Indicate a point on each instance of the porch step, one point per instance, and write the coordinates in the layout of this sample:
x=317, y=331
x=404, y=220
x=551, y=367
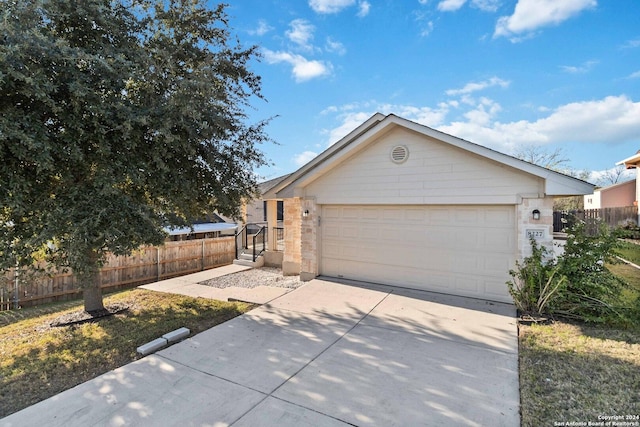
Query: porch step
x=247, y=260
x=247, y=256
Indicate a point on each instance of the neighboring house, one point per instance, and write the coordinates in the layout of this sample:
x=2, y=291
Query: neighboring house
x=215, y=225
x=633, y=162
x=613, y=196
x=395, y=202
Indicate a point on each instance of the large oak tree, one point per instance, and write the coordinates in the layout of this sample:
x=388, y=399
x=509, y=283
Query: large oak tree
x=118, y=118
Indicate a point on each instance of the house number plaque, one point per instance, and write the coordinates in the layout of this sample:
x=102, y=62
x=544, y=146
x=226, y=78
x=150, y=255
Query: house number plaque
x=534, y=233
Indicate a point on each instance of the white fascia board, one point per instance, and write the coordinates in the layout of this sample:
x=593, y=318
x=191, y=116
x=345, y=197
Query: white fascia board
x=630, y=162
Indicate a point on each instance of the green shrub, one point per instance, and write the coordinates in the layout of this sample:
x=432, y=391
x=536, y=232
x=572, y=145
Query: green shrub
x=576, y=285
x=593, y=292
x=628, y=231
x=535, y=283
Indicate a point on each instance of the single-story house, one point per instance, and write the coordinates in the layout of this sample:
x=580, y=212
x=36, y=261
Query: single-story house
x=613, y=196
x=214, y=225
x=395, y=202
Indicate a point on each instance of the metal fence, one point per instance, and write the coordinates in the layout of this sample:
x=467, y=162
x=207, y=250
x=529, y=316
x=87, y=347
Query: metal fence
x=146, y=265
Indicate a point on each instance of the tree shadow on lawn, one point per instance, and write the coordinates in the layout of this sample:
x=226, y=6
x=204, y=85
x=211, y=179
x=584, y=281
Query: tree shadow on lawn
x=64, y=357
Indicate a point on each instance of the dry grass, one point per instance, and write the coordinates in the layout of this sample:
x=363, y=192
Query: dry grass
x=576, y=373
x=38, y=361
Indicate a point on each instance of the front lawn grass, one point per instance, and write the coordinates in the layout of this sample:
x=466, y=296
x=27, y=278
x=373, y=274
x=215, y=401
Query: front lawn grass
x=629, y=251
x=575, y=373
x=38, y=361
x=572, y=372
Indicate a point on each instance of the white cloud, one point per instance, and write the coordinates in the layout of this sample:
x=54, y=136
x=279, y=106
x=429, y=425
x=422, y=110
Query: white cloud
x=450, y=5
x=580, y=69
x=304, y=158
x=262, y=28
x=353, y=115
x=476, y=86
x=486, y=5
x=635, y=75
x=426, y=25
x=428, y=116
x=350, y=121
x=335, y=46
x=453, y=5
x=330, y=6
x=363, y=9
x=609, y=120
x=485, y=110
x=426, y=29
x=301, y=33
x=630, y=44
x=530, y=15
x=303, y=69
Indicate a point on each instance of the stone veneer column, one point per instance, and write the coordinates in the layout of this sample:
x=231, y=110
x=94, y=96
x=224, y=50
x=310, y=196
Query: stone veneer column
x=309, y=239
x=291, y=260
x=526, y=222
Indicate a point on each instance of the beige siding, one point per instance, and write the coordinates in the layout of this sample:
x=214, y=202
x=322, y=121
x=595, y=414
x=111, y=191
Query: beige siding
x=435, y=173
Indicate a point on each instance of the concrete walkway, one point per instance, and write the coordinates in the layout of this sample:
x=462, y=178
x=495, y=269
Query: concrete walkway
x=325, y=354
x=189, y=285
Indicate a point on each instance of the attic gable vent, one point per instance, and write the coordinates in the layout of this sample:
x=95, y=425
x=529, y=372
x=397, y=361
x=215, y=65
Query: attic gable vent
x=399, y=154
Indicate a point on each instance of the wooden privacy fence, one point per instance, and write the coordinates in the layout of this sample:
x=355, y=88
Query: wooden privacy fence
x=614, y=217
x=148, y=264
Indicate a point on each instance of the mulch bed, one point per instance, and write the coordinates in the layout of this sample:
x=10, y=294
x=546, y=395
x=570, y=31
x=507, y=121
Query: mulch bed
x=82, y=316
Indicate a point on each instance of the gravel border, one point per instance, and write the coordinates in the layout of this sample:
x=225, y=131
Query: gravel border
x=263, y=276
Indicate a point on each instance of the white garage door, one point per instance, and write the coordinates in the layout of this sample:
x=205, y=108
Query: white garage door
x=461, y=250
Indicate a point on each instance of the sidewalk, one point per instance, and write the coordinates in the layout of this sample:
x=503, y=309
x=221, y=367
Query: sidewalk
x=189, y=285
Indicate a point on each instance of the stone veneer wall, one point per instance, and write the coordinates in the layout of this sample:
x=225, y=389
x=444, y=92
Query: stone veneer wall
x=291, y=260
x=526, y=222
x=309, y=255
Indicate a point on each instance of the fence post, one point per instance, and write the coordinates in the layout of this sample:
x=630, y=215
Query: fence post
x=202, y=269
x=16, y=297
x=158, y=263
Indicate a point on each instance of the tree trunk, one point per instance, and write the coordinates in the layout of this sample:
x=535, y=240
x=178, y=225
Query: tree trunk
x=92, y=294
x=91, y=291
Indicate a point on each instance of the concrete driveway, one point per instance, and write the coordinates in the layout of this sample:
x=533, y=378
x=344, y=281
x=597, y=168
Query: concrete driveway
x=326, y=354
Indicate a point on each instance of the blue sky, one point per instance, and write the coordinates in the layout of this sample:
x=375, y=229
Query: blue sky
x=500, y=73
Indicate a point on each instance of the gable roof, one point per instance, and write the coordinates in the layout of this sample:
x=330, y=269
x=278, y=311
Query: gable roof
x=556, y=183
x=265, y=186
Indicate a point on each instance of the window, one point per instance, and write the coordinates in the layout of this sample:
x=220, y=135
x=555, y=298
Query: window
x=280, y=208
